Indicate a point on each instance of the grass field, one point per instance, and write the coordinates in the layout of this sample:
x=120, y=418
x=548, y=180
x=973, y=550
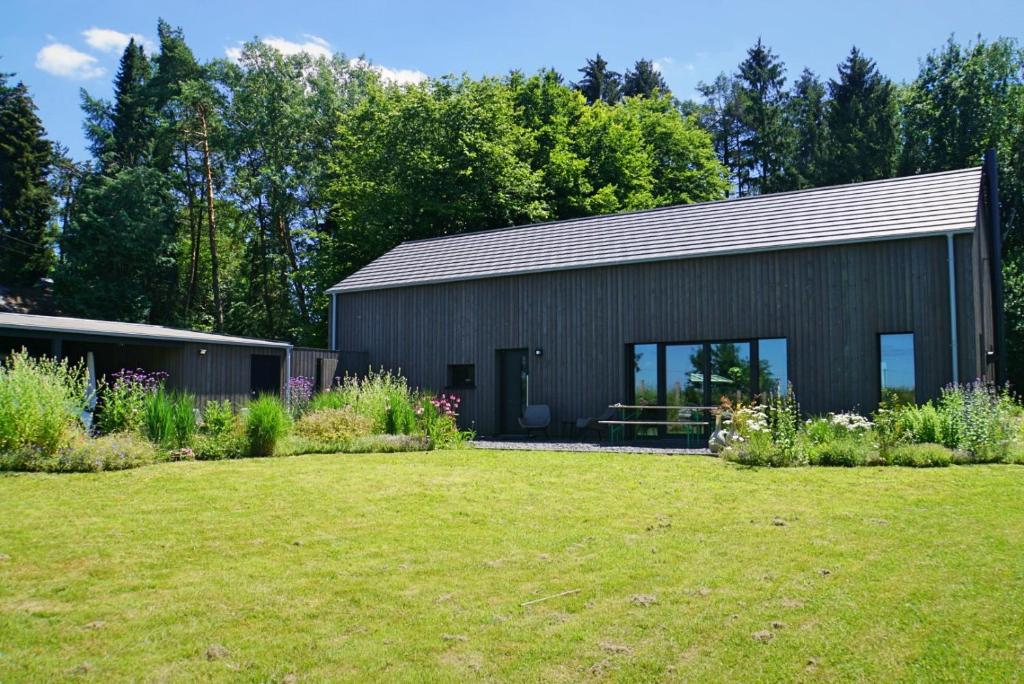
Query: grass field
x=414, y=567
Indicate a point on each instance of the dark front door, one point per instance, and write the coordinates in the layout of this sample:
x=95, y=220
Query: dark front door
x=265, y=374
x=513, y=381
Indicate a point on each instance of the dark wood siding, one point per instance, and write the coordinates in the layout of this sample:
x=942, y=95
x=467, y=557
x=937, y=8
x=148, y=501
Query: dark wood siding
x=223, y=372
x=324, y=366
x=831, y=303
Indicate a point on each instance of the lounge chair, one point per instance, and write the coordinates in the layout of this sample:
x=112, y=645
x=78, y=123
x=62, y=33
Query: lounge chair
x=536, y=419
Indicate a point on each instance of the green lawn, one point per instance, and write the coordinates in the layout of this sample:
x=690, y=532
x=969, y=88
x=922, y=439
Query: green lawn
x=414, y=567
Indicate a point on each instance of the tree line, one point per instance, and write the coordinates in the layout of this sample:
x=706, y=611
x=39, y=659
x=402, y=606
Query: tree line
x=227, y=195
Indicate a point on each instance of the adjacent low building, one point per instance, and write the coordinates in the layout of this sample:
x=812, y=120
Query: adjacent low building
x=843, y=293
x=207, y=365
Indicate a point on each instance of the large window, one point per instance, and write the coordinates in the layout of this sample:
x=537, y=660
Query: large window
x=897, y=365
x=645, y=374
x=730, y=372
x=773, y=372
x=703, y=373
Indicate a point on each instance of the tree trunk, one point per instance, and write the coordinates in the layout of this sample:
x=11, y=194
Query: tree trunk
x=289, y=250
x=193, y=229
x=211, y=220
x=262, y=251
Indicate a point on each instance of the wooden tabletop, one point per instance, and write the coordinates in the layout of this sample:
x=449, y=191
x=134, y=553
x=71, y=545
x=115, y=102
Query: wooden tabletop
x=692, y=408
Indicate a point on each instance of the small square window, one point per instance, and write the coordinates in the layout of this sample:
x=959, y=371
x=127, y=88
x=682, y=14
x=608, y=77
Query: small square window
x=461, y=376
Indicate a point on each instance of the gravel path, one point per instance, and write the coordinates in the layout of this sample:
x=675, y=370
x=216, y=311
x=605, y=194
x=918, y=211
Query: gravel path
x=565, y=445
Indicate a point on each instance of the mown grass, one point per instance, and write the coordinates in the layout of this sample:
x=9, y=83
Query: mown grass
x=413, y=567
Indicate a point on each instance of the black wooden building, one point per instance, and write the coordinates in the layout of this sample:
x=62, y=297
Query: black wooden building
x=842, y=292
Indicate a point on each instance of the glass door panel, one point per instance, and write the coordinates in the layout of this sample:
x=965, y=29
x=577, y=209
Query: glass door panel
x=645, y=374
x=684, y=384
x=730, y=372
x=774, y=367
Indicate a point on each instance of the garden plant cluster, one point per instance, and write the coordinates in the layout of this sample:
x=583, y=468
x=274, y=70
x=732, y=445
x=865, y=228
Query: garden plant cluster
x=51, y=421
x=970, y=423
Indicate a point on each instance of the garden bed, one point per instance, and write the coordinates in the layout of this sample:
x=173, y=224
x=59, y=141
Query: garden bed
x=51, y=421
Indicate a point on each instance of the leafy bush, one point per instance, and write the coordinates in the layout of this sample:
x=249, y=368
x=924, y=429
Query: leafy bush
x=926, y=455
x=976, y=418
x=119, y=451
x=169, y=419
x=218, y=417
x=846, y=452
x=219, y=446
x=122, y=397
x=382, y=396
x=221, y=435
x=266, y=422
x=41, y=402
x=333, y=426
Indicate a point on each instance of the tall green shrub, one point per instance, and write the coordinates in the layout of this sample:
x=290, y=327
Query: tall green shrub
x=41, y=401
x=266, y=422
x=169, y=419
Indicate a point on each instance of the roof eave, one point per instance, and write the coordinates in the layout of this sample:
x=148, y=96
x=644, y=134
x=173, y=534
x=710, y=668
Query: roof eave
x=147, y=338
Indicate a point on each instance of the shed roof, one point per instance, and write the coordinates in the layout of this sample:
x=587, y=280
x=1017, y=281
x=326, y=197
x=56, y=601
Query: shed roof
x=138, y=331
x=912, y=206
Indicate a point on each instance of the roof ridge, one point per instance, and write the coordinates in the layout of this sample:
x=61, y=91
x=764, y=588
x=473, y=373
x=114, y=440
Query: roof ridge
x=905, y=206
x=705, y=203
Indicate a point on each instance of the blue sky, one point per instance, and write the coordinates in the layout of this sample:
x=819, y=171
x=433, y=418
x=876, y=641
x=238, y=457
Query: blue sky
x=59, y=47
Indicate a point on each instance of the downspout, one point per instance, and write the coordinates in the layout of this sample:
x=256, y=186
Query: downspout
x=996, y=243
x=332, y=334
x=954, y=342
x=288, y=376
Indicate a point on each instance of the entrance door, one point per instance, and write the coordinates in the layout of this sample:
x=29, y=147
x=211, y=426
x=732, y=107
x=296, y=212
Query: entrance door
x=513, y=385
x=265, y=374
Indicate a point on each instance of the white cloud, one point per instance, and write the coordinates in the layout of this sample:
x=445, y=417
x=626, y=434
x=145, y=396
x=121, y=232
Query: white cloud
x=315, y=46
x=398, y=76
x=109, y=40
x=63, y=60
x=668, y=63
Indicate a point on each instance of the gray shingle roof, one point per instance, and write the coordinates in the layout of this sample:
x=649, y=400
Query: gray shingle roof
x=913, y=206
x=12, y=322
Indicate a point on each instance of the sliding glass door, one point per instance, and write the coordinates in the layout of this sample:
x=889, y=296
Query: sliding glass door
x=702, y=374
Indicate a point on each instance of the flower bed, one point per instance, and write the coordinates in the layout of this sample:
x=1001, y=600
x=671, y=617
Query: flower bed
x=137, y=421
x=973, y=423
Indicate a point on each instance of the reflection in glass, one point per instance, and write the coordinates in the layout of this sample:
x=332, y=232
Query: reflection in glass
x=774, y=367
x=645, y=374
x=684, y=382
x=897, y=366
x=730, y=372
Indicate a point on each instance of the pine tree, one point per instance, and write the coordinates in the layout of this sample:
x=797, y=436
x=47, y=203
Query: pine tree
x=806, y=116
x=599, y=83
x=861, y=122
x=765, y=138
x=119, y=252
x=26, y=198
x=132, y=129
x=184, y=103
x=643, y=80
x=721, y=116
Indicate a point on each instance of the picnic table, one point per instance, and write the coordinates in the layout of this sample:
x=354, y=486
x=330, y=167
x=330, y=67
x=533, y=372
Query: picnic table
x=692, y=419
